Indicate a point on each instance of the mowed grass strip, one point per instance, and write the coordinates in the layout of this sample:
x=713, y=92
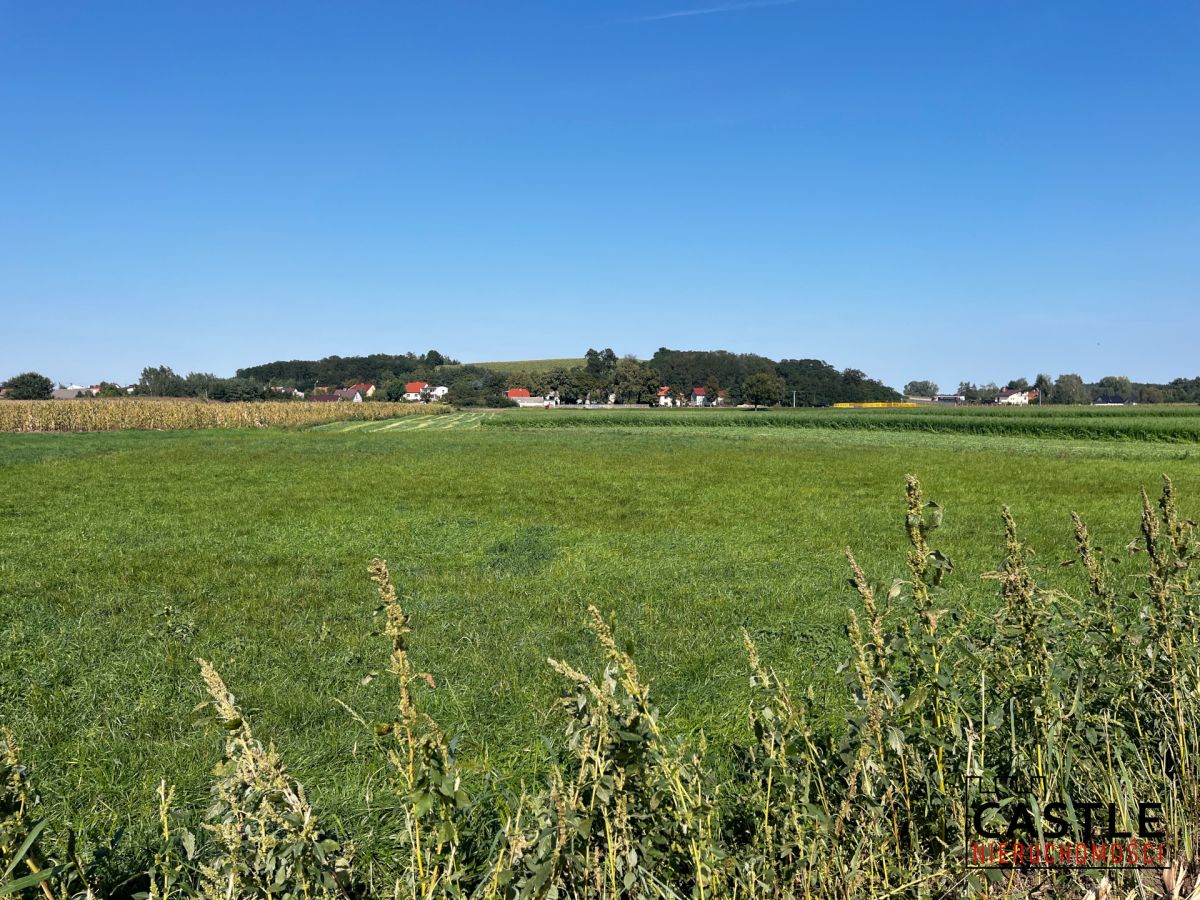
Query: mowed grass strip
x=446, y=422
x=123, y=556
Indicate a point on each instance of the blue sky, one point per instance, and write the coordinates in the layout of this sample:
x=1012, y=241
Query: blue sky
x=963, y=190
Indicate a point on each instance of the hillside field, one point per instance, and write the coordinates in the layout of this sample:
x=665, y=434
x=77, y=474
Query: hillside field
x=125, y=555
x=524, y=365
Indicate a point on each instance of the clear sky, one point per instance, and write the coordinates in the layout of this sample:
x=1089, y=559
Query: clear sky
x=952, y=190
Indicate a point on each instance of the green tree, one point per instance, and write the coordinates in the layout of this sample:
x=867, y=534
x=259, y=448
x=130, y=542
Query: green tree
x=762, y=389
x=1018, y=384
x=712, y=391
x=201, y=384
x=108, y=389
x=634, y=381
x=161, y=382
x=600, y=363
x=920, y=389
x=1150, y=393
x=569, y=385
x=30, y=386
x=1069, y=388
x=229, y=390
x=1115, y=386
x=1045, y=388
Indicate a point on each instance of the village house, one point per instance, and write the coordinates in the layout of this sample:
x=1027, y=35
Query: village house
x=522, y=398
x=414, y=391
x=367, y=390
x=700, y=397
x=438, y=394
x=1010, y=397
x=70, y=392
x=667, y=398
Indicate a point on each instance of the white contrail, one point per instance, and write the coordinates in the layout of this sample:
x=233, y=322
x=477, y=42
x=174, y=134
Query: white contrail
x=708, y=10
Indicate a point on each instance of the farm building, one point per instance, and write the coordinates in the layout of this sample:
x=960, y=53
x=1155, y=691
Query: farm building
x=1010, y=397
x=414, y=391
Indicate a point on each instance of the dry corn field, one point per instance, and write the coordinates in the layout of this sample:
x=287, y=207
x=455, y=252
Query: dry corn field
x=161, y=414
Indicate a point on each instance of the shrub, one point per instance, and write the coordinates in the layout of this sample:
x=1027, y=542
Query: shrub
x=29, y=386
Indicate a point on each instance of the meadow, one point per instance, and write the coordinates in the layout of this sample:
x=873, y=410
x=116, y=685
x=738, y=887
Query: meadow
x=126, y=555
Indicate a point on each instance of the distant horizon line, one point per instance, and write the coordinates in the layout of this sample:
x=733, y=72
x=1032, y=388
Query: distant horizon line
x=580, y=359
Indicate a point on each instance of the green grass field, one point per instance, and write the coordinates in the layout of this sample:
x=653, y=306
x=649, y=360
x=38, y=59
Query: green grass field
x=125, y=555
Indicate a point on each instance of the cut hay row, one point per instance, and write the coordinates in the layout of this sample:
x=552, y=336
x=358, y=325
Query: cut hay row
x=451, y=421
x=161, y=414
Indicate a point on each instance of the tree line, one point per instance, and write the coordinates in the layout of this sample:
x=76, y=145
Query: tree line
x=1070, y=389
x=735, y=377
x=377, y=368
x=602, y=375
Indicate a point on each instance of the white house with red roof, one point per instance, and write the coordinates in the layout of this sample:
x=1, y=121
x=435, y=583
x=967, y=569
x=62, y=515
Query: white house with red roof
x=700, y=398
x=414, y=391
x=1010, y=397
x=523, y=398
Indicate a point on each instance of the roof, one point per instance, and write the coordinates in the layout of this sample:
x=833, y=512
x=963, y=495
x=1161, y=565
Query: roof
x=513, y=393
x=324, y=398
x=415, y=387
x=699, y=392
x=663, y=391
x=364, y=387
x=346, y=393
